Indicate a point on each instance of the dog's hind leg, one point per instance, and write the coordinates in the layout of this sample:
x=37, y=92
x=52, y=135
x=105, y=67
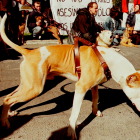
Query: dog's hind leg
x=95, y=98
x=22, y=95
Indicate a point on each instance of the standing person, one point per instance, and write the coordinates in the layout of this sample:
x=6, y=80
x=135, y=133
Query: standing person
x=85, y=25
x=133, y=20
x=113, y=24
x=36, y=27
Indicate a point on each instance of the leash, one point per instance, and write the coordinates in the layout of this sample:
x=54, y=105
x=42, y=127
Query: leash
x=107, y=72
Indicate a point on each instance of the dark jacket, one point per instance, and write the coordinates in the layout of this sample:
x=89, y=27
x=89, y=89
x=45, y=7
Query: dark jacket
x=86, y=25
x=31, y=23
x=131, y=19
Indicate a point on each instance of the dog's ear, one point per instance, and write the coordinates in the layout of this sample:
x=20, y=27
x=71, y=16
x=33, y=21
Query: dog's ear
x=133, y=80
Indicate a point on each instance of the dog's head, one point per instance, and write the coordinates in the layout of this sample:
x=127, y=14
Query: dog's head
x=129, y=29
x=132, y=89
x=39, y=19
x=133, y=80
x=106, y=36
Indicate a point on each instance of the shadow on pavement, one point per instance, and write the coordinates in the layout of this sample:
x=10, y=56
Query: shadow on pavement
x=60, y=134
x=15, y=122
x=7, y=91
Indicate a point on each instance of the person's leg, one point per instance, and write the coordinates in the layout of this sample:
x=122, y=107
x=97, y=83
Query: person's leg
x=36, y=32
x=116, y=36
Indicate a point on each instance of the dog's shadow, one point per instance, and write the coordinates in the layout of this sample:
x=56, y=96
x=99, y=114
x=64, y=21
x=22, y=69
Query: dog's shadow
x=108, y=98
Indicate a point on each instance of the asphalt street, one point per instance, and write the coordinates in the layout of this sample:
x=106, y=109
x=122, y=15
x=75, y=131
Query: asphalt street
x=47, y=116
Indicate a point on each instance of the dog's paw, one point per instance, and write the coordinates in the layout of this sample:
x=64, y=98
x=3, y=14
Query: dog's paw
x=97, y=113
x=71, y=134
x=12, y=113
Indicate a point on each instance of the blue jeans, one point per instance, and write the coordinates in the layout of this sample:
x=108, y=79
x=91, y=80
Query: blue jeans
x=116, y=41
x=37, y=31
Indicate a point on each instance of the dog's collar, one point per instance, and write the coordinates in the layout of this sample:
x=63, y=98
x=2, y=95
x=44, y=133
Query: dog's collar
x=107, y=72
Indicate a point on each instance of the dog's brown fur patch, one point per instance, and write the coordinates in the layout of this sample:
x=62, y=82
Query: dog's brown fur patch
x=102, y=52
x=133, y=80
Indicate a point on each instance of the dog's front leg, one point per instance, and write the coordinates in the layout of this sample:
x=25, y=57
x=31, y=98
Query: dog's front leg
x=77, y=102
x=95, y=98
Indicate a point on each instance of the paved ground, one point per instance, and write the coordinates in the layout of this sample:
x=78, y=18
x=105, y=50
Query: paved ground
x=46, y=117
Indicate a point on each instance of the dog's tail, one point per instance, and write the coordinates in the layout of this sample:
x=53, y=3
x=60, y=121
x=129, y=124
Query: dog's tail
x=7, y=41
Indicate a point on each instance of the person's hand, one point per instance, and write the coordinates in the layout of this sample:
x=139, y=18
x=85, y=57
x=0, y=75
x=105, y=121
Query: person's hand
x=116, y=36
x=134, y=32
x=38, y=23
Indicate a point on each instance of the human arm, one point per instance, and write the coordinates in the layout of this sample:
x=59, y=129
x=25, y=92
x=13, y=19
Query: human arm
x=107, y=24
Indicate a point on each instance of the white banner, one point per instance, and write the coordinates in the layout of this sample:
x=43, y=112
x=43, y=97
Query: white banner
x=64, y=11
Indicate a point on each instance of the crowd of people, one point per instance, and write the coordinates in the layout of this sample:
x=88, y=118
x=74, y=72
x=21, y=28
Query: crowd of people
x=84, y=25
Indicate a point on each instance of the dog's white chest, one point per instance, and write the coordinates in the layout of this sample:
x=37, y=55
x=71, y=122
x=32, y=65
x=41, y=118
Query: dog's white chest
x=44, y=54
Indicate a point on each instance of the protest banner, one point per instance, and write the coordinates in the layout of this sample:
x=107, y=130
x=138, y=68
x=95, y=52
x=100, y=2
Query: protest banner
x=64, y=11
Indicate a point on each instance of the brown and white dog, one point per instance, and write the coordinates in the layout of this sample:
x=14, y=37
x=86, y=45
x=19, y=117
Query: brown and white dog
x=21, y=28
x=45, y=62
